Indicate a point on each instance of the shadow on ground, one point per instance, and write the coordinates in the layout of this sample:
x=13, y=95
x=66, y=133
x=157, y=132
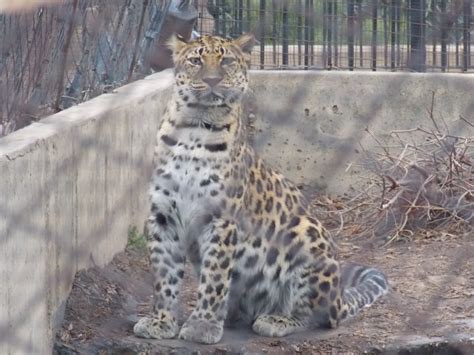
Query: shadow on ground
x=430, y=309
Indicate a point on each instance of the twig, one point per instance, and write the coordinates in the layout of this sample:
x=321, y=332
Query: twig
x=465, y=120
x=65, y=50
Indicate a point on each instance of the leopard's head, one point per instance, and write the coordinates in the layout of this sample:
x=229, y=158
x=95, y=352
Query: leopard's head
x=211, y=71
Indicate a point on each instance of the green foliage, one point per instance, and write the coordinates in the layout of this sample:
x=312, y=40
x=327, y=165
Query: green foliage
x=136, y=240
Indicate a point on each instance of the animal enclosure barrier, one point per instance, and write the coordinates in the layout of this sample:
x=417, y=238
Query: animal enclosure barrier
x=56, y=56
x=53, y=57
x=414, y=35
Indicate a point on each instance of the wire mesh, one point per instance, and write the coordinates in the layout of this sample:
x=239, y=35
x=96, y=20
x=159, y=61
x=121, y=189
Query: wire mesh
x=64, y=54
x=60, y=55
x=412, y=35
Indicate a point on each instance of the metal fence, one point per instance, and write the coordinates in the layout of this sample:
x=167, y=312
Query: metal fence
x=414, y=35
x=56, y=56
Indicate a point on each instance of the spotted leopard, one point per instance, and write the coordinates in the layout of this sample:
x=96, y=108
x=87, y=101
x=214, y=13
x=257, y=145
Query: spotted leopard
x=260, y=258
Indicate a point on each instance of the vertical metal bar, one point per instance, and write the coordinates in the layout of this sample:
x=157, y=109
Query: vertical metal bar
x=417, y=38
x=274, y=31
x=262, y=33
x=408, y=31
x=306, y=34
x=217, y=20
x=350, y=34
x=299, y=29
x=467, y=13
x=335, y=34
x=444, y=36
x=360, y=16
x=249, y=16
x=393, y=16
x=324, y=29
x=235, y=17
x=457, y=34
x=374, y=34
x=434, y=35
x=285, y=35
x=240, y=16
x=385, y=36
x=399, y=25
x=311, y=31
x=224, y=23
x=329, y=35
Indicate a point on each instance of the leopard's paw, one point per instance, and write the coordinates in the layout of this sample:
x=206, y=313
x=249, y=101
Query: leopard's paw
x=158, y=327
x=202, y=331
x=276, y=325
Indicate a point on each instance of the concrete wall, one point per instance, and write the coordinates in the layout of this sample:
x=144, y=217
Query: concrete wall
x=72, y=184
x=313, y=123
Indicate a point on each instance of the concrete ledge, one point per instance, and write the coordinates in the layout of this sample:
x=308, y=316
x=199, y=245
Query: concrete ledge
x=71, y=185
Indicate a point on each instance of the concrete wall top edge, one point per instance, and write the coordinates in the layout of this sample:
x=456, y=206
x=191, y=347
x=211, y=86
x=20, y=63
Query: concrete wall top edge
x=20, y=142
x=444, y=76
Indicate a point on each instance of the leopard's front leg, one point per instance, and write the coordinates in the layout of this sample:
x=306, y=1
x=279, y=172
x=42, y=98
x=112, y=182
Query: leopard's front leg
x=167, y=260
x=206, y=323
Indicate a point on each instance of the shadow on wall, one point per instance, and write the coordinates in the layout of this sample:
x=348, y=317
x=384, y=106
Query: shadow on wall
x=80, y=179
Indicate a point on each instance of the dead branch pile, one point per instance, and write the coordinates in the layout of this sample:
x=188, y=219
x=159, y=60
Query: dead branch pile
x=423, y=184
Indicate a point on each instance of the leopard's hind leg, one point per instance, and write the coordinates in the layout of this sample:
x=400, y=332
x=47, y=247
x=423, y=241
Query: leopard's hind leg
x=310, y=279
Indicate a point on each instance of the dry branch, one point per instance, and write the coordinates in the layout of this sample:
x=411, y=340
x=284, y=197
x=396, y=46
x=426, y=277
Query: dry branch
x=414, y=189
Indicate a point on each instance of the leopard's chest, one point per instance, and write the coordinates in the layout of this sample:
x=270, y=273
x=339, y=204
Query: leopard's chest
x=192, y=191
x=189, y=185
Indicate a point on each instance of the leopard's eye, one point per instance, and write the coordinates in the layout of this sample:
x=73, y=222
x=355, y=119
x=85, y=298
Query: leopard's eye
x=227, y=60
x=195, y=60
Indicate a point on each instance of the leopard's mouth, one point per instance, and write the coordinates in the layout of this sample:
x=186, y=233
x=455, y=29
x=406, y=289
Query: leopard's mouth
x=212, y=98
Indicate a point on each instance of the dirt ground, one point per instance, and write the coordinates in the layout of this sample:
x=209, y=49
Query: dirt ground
x=430, y=309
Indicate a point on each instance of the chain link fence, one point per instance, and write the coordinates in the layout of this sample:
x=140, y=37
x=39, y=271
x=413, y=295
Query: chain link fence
x=55, y=56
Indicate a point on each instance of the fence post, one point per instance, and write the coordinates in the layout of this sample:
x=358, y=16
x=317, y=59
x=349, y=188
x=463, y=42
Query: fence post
x=274, y=36
x=240, y=16
x=444, y=36
x=350, y=33
x=329, y=32
x=374, y=34
x=285, y=35
x=417, y=38
x=299, y=30
x=249, y=16
x=360, y=24
x=335, y=33
x=467, y=14
x=393, y=33
x=262, y=33
x=307, y=24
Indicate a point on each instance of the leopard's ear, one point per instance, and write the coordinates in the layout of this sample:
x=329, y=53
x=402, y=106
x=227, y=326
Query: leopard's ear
x=176, y=43
x=245, y=42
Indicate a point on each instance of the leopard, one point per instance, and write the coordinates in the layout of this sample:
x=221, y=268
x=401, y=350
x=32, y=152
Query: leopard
x=259, y=256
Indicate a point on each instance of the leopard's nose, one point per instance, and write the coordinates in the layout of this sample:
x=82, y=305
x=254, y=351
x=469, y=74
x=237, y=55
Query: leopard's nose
x=212, y=80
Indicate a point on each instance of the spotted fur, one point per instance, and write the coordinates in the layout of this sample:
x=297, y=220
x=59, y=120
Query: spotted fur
x=260, y=257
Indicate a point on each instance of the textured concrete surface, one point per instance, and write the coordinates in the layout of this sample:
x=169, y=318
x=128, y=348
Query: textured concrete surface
x=313, y=123
x=71, y=185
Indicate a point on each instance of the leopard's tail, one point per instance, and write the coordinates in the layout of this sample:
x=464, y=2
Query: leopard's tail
x=362, y=286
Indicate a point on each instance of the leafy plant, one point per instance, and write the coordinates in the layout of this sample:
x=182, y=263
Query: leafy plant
x=136, y=240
